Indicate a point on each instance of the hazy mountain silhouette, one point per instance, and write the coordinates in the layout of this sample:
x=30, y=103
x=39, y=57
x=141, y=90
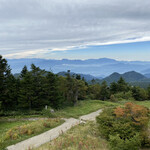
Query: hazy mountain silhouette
x=96, y=67
x=131, y=76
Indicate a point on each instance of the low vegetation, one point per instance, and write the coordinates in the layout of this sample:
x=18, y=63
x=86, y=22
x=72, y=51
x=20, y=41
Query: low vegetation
x=13, y=132
x=17, y=130
x=81, y=137
x=84, y=107
x=125, y=128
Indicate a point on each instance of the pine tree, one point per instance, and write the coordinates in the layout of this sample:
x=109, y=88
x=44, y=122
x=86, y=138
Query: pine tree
x=104, y=92
x=5, y=78
x=24, y=71
x=32, y=92
x=122, y=85
x=54, y=96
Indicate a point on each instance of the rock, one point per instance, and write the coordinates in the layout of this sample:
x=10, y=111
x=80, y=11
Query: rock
x=52, y=111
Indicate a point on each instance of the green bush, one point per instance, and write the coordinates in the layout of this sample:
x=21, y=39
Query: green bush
x=122, y=96
x=109, y=125
x=117, y=143
x=122, y=125
x=48, y=113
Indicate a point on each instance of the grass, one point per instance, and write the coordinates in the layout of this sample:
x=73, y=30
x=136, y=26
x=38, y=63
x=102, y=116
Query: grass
x=144, y=103
x=84, y=136
x=84, y=107
x=81, y=137
x=14, y=132
x=5, y=126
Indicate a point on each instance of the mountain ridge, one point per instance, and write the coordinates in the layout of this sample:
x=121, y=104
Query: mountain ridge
x=95, y=67
x=130, y=76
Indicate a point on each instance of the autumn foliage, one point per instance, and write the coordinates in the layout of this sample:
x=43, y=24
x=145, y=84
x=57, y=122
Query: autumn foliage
x=138, y=114
x=125, y=127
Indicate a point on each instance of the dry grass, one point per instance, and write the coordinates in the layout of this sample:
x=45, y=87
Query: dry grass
x=81, y=137
x=22, y=132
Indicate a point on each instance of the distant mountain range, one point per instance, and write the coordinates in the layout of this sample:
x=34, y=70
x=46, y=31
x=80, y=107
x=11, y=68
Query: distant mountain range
x=131, y=76
x=87, y=77
x=147, y=75
x=96, y=67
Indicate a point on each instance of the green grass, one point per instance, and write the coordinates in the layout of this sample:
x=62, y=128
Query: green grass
x=144, y=103
x=81, y=137
x=84, y=136
x=14, y=132
x=84, y=107
x=5, y=126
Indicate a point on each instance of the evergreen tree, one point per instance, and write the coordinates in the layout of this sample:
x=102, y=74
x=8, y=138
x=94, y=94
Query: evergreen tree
x=114, y=88
x=122, y=85
x=24, y=71
x=148, y=92
x=13, y=86
x=139, y=93
x=69, y=87
x=78, y=77
x=104, y=92
x=5, y=79
x=53, y=95
x=32, y=91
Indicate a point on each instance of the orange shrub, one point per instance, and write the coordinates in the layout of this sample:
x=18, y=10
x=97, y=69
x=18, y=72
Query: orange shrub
x=138, y=114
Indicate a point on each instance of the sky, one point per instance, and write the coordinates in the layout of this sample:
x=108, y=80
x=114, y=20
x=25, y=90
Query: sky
x=75, y=29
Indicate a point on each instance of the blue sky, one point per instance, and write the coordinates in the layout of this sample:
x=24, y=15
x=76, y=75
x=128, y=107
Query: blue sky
x=127, y=51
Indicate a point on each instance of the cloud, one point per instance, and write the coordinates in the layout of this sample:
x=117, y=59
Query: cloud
x=29, y=28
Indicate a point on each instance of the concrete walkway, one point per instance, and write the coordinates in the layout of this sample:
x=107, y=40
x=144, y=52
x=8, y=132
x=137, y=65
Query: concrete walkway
x=45, y=137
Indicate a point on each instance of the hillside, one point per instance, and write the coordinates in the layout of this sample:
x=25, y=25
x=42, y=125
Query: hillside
x=131, y=76
x=96, y=67
x=87, y=77
x=147, y=75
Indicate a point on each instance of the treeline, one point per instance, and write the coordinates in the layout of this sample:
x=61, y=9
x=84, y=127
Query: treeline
x=35, y=88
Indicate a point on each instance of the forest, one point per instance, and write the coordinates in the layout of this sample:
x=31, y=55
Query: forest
x=35, y=88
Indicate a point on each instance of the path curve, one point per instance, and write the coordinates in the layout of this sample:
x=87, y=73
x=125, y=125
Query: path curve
x=45, y=137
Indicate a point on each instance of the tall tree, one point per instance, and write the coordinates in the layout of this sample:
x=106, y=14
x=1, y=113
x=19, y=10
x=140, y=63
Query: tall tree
x=122, y=85
x=32, y=90
x=54, y=96
x=5, y=78
x=24, y=71
x=104, y=91
x=148, y=92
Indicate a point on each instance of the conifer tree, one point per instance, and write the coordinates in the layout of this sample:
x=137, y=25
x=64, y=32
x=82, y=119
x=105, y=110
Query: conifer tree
x=5, y=79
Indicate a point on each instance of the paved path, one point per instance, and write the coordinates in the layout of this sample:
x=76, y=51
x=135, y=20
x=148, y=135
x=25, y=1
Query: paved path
x=45, y=137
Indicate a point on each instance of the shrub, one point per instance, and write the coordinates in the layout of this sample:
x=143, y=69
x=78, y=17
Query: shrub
x=30, y=129
x=48, y=113
x=121, y=125
x=139, y=94
x=116, y=143
x=110, y=125
x=113, y=98
x=122, y=96
x=138, y=115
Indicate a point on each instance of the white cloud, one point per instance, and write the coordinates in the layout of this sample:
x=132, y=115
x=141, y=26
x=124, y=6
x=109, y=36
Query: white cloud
x=28, y=26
